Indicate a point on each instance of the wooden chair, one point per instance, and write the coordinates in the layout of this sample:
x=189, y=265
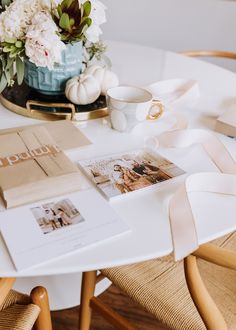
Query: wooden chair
x=216, y=57
x=160, y=287
x=204, y=303
x=208, y=53
x=22, y=312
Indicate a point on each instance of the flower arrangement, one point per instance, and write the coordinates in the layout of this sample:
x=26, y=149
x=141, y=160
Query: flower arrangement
x=39, y=30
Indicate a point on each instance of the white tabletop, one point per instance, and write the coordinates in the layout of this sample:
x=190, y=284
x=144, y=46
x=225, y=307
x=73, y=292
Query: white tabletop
x=147, y=212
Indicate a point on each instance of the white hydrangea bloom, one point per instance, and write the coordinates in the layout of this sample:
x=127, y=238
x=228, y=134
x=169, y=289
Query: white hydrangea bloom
x=43, y=46
x=50, y=4
x=98, y=16
x=18, y=16
x=93, y=32
x=98, y=13
x=30, y=20
x=15, y=19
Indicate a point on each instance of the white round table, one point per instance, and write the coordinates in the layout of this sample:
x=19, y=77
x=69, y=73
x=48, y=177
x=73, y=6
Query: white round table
x=146, y=213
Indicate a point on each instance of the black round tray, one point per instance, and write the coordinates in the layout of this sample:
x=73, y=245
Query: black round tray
x=25, y=101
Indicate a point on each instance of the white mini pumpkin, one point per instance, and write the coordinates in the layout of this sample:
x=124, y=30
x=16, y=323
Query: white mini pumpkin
x=96, y=71
x=106, y=78
x=110, y=80
x=82, y=89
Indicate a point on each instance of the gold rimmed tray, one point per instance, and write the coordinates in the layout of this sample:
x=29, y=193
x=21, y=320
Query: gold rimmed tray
x=27, y=102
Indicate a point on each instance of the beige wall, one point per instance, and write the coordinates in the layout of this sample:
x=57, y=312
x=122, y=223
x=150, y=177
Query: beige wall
x=173, y=24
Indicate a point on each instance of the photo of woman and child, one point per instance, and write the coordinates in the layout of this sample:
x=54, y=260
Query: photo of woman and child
x=129, y=172
x=53, y=216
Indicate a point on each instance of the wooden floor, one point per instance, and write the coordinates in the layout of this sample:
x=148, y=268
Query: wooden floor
x=68, y=319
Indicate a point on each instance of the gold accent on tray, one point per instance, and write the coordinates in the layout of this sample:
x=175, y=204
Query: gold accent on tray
x=37, y=114
x=69, y=116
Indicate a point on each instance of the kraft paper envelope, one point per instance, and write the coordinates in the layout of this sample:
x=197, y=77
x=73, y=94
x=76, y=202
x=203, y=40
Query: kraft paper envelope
x=64, y=132
x=33, y=167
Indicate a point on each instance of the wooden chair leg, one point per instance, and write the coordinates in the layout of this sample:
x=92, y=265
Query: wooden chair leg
x=39, y=297
x=205, y=305
x=110, y=315
x=5, y=284
x=87, y=292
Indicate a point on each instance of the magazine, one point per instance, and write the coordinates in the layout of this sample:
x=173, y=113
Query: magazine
x=37, y=233
x=131, y=171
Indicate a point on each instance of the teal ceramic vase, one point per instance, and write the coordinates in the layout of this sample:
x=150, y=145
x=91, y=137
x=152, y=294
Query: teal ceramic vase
x=52, y=82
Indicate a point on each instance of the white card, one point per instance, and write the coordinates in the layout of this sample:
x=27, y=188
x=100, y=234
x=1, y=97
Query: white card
x=42, y=231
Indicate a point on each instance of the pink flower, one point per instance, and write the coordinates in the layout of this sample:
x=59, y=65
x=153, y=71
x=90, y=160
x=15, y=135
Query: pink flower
x=43, y=46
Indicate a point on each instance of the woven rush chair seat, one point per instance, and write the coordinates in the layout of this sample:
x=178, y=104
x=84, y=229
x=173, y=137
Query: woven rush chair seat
x=17, y=312
x=160, y=287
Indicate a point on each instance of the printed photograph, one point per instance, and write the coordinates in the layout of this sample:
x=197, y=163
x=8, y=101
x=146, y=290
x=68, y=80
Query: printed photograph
x=54, y=216
x=129, y=172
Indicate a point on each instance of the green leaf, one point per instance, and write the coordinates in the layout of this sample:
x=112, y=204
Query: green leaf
x=63, y=4
x=65, y=22
x=59, y=10
x=10, y=62
x=72, y=21
x=3, y=82
x=66, y=4
x=7, y=49
x=11, y=72
x=19, y=44
x=87, y=8
x=8, y=76
x=74, y=11
x=14, y=53
x=20, y=69
x=69, y=2
x=86, y=21
x=5, y=3
x=11, y=40
x=4, y=62
x=65, y=37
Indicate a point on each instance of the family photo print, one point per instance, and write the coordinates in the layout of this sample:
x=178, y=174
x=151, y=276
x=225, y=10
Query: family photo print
x=128, y=172
x=53, y=216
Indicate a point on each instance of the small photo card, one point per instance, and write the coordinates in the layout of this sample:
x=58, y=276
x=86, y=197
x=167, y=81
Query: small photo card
x=54, y=216
x=130, y=171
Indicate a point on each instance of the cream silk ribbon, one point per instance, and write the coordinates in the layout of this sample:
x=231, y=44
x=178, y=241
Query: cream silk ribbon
x=184, y=234
x=212, y=145
x=175, y=92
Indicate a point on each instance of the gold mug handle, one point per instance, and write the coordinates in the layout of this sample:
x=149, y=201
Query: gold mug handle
x=157, y=115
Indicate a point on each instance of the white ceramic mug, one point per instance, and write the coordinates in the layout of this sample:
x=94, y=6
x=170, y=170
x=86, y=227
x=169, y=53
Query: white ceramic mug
x=129, y=106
